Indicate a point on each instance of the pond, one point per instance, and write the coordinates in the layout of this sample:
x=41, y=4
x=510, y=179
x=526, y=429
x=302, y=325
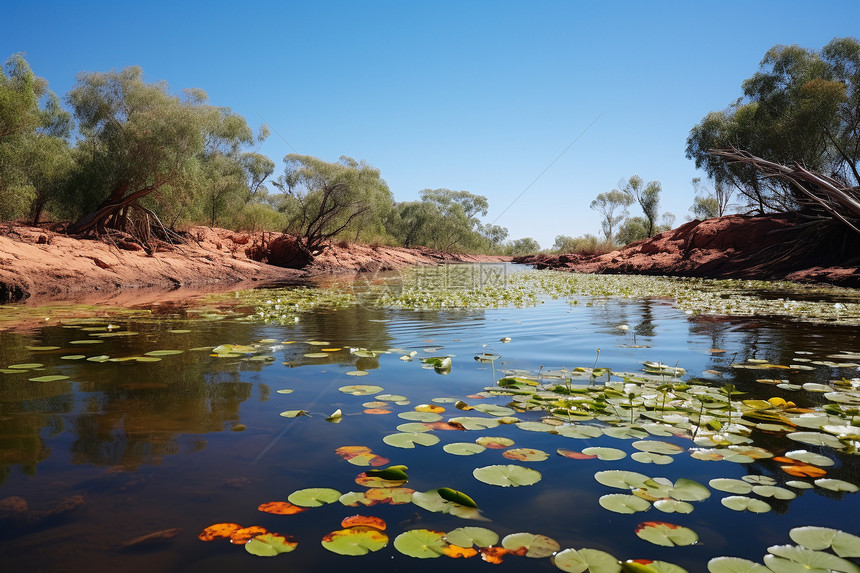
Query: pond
x=595, y=427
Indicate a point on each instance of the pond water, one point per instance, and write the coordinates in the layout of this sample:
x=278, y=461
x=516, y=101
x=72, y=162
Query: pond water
x=104, y=447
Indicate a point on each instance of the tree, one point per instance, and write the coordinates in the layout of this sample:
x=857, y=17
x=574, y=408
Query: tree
x=34, y=150
x=709, y=203
x=802, y=106
x=140, y=142
x=524, y=246
x=323, y=199
x=648, y=197
x=608, y=204
x=458, y=227
x=633, y=229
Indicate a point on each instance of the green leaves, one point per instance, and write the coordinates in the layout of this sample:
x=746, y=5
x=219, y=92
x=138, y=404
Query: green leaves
x=507, y=475
x=314, y=497
x=668, y=534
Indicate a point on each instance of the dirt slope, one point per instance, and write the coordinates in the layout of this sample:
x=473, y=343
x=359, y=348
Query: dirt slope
x=734, y=246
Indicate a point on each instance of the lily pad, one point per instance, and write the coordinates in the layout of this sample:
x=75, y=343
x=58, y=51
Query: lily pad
x=605, y=454
x=688, y=490
x=507, y=475
x=525, y=455
x=420, y=416
x=494, y=442
x=836, y=485
x=536, y=546
x=623, y=503
x=49, y=378
x=463, y=449
x=293, y=413
x=673, y=506
x=652, y=458
x=820, y=538
x=666, y=534
x=621, y=479
x=358, y=540
x=314, y=497
x=816, y=439
x=421, y=543
x=469, y=536
x=590, y=560
x=360, y=389
x=163, y=352
x=735, y=565
x=790, y=558
x=743, y=503
x=409, y=439
x=271, y=544
x=730, y=485
x=657, y=447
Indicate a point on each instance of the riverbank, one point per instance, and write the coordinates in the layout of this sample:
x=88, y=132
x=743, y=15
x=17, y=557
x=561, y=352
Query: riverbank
x=730, y=247
x=38, y=265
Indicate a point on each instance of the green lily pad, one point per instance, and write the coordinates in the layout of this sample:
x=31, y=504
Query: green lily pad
x=360, y=389
x=735, y=565
x=729, y=485
x=657, y=447
x=536, y=546
x=797, y=484
x=624, y=433
x=359, y=540
x=623, y=503
x=463, y=449
x=433, y=501
x=790, y=558
x=421, y=543
x=314, y=497
x=163, y=352
x=494, y=443
x=773, y=491
x=507, y=475
x=469, y=536
x=493, y=410
x=49, y=378
x=474, y=422
x=605, y=454
x=688, y=490
x=420, y=416
x=816, y=439
x=666, y=534
x=357, y=373
x=409, y=439
x=579, y=431
x=285, y=391
x=836, y=485
x=651, y=458
x=26, y=366
x=673, y=506
x=41, y=348
x=73, y=357
x=536, y=427
x=293, y=413
x=396, y=398
x=413, y=427
x=743, y=503
x=621, y=479
x=590, y=560
x=820, y=538
x=271, y=544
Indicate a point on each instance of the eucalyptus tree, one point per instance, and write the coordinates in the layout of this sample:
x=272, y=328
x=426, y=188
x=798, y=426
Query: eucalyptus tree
x=648, y=197
x=457, y=225
x=322, y=199
x=139, y=142
x=35, y=156
x=524, y=246
x=613, y=206
x=802, y=106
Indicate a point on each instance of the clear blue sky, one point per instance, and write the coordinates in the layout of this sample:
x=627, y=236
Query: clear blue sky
x=481, y=96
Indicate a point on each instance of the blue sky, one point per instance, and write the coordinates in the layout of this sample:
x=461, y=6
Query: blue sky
x=481, y=96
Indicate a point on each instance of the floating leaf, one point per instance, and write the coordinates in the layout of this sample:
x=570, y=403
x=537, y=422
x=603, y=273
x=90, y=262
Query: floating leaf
x=364, y=521
x=729, y=485
x=579, y=431
x=361, y=456
x=651, y=458
x=494, y=443
x=392, y=473
x=218, y=531
x=463, y=449
x=293, y=413
x=73, y=357
x=474, y=422
x=536, y=546
x=623, y=503
x=359, y=540
x=667, y=534
x=360, y=389
x=357, y=373
x=735, y=565
x=246, y=534
x=421, y=543
x=657, y=447
x=25, y=366
x=621, y=479
x=816, y=439
x=50, y=378
x=493, y=410
x=420, y=416
x=673, y=506
x=271, y=544
x=314, y=497
x=507, y=475
x=688, y=490
x=409, y=439
x=469, y=536
x=536, y=427
x=456, y=496
x=163, y=352
x=575, y=455
x=419, y=427
x=525, y=455
x=836, y=485
x=280, y=508
x=605, y=454
x=820, y=538
x=741, y=503
x=773, y=491
x=431, y=408
x=591, y=560
x=790, y=558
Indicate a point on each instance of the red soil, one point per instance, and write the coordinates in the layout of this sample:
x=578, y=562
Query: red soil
x=734, y=246
x=38, y=265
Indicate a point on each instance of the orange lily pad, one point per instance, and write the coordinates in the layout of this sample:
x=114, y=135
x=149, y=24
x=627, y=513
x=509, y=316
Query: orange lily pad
x=377, y=411
x=803, y=470
x=246, y=534
x=364, y=521
x=456, y=551
x=574, y=455
x=433, y=408
x=218, y=531
x=361, y=456
x=280, y=508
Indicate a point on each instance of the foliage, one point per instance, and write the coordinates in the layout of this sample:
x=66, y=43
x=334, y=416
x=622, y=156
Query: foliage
x=34, y=151
x=587, y=244
x=608, y=204
x=709, y=203
x=633, y=229
x=258, y=217
x=137, y=140
x=648, y=197
x=322, y=199
x=524, y=246
x=801, y=106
